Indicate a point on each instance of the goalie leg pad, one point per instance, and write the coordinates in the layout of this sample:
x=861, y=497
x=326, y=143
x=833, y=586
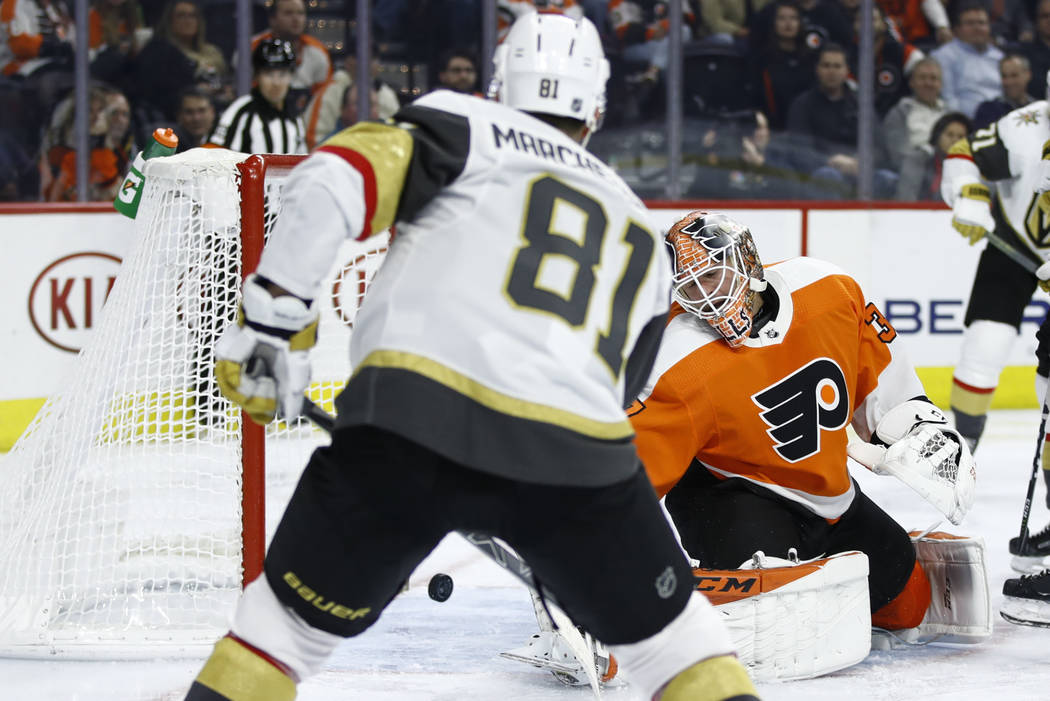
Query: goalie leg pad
x=792, y=620
x=960, y=605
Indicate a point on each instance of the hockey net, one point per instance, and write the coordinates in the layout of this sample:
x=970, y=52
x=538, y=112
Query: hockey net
x=139, y=500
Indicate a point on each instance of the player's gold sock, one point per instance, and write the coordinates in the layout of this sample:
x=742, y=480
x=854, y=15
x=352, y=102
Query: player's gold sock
x=720, y=678
x=235, y=671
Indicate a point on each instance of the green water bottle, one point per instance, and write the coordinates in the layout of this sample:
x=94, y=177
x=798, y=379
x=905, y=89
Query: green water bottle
x=164, y=143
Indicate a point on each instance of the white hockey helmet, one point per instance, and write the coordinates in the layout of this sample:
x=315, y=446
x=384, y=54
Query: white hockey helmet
x=552, y=64
x=717, y=272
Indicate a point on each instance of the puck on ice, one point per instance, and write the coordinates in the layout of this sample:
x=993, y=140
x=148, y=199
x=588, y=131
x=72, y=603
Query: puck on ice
x=440, y=587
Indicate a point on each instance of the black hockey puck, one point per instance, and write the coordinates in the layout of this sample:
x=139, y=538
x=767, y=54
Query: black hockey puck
x=440, y=587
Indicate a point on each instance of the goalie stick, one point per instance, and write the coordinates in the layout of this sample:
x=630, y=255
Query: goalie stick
x=506, y=559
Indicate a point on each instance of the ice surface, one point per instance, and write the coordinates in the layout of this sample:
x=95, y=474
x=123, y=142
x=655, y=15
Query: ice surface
x=425, y=651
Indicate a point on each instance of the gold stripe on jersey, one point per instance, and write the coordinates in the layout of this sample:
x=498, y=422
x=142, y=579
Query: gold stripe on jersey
x=387, y=151
x=491, y=399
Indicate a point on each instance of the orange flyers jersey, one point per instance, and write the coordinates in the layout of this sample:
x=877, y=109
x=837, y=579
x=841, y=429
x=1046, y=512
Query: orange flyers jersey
x=774, y=411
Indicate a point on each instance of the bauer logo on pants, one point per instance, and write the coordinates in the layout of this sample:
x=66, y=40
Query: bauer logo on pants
x=796, y=408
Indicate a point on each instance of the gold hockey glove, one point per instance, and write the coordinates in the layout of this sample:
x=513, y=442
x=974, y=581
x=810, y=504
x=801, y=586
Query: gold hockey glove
x=972, y=214
x=262, y=361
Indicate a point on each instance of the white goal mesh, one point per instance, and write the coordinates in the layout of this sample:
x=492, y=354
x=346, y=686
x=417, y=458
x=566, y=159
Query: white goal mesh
x=127, y=519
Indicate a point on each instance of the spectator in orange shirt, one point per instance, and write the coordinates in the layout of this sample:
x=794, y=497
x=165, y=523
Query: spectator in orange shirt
x=109, y=160
x=33, y=33
x=313, y=64
x=642, y=27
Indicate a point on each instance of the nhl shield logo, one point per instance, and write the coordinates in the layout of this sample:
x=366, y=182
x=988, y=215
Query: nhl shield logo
x=666, y=583
x=577, y=104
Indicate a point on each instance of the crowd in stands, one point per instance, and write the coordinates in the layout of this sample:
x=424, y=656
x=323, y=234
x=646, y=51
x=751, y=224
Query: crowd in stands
x=770, y=86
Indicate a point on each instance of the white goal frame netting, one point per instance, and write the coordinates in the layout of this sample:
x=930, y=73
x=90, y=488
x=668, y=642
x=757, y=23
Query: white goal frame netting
x=138, y=501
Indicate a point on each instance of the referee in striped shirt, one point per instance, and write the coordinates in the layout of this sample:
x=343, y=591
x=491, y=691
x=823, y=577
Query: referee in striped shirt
x=261, y=122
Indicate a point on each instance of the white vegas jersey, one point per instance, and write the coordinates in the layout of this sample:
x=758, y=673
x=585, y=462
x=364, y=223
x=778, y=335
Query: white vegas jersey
x=521, y=276
x=1007, y=153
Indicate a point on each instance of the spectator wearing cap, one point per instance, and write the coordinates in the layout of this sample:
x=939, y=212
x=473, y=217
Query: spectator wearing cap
x=313, y=65
x=261, y=122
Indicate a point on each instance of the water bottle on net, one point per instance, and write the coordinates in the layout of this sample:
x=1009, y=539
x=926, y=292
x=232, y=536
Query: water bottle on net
x=163, y=143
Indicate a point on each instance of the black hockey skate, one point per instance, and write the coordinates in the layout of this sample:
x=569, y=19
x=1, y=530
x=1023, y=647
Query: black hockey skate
x=1036, y=555
x=1026, y=600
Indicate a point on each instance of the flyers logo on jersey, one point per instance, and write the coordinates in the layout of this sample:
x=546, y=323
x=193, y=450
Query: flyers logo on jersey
x=797, y=408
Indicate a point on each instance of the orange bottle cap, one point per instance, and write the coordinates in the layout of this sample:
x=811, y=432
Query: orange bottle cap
x=166, y=136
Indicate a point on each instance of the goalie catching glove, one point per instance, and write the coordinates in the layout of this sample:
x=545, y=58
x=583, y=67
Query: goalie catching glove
x=971, y=212
x=262, y=361
x=919, y=448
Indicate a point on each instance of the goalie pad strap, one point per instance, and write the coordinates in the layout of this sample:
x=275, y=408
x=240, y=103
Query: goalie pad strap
x=798, y=621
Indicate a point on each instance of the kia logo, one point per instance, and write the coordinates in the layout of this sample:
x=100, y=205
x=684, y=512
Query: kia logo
x=67, y=297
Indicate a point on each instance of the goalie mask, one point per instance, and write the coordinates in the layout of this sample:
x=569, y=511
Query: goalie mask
x=552, y=64
x=717, y=272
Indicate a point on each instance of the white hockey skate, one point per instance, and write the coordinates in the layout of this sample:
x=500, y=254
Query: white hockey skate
x=549, y=649
x=563, y=649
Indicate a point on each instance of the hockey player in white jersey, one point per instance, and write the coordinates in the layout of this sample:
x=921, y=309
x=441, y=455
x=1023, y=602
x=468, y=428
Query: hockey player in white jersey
x=1006, y=153
x=1009, y=154
x=520, y=303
